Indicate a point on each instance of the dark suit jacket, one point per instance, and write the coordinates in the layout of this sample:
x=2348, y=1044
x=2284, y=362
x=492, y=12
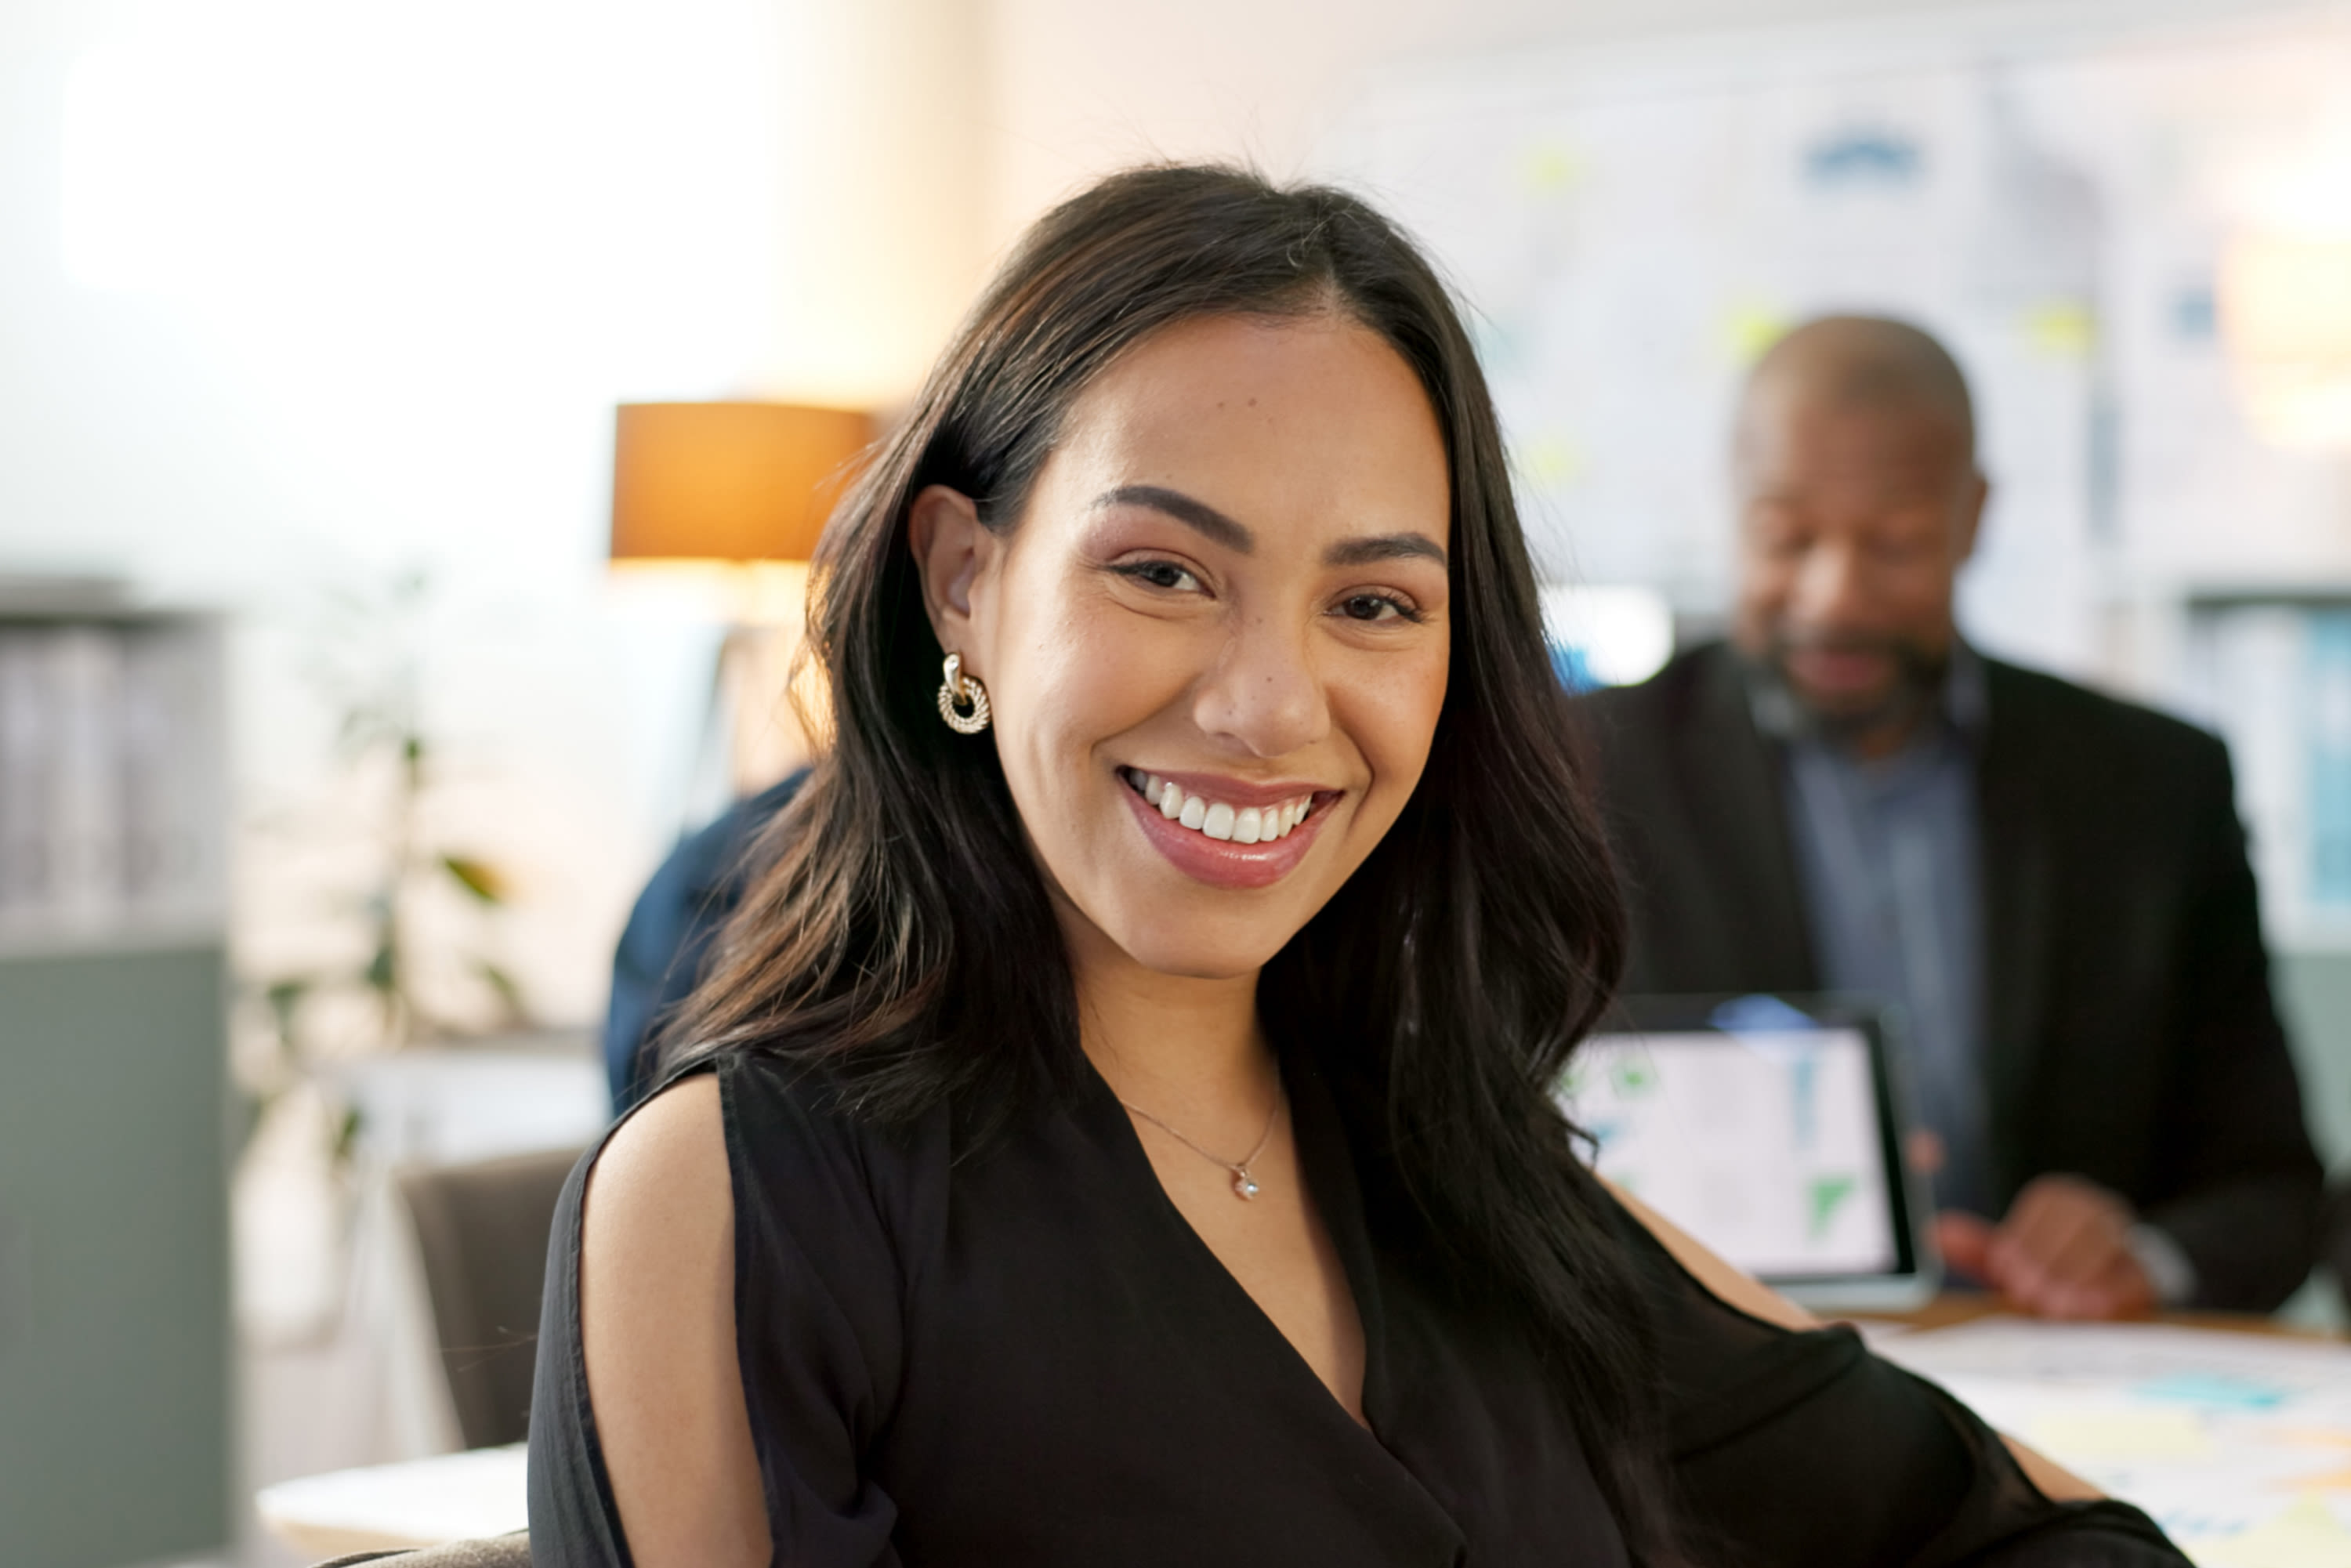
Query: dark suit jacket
x=669, y=931
x=2129, y=1032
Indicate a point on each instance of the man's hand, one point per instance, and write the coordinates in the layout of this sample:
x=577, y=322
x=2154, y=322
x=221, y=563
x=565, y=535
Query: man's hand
x=2064, y=1252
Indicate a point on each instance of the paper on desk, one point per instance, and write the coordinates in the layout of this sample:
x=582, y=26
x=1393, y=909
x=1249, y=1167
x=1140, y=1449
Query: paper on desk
x=2240, y=1443
x=2120, y=1434
x=2304, y=1536
x=2168, y=1361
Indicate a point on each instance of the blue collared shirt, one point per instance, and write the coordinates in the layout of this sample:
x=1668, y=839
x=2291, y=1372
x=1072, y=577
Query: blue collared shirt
x=1887, y=852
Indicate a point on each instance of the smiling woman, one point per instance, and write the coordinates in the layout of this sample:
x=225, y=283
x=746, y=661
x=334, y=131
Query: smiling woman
x=1117, y=1127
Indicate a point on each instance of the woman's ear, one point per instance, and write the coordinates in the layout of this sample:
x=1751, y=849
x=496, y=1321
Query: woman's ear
x=952, y=548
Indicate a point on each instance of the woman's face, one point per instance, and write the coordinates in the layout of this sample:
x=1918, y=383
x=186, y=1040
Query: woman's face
x=1215, y=642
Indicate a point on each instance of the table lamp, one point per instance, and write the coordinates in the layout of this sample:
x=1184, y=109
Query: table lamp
x=742, y=489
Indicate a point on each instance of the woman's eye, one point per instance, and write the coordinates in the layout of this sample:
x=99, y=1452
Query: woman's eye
x=1164, y=574
x=1375, y=607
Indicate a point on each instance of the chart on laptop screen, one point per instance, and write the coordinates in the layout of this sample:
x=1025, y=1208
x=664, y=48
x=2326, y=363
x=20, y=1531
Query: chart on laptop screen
x=1764, y=1145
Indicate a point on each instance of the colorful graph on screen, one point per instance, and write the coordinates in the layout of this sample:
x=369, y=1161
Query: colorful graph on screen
x=1762, y=1144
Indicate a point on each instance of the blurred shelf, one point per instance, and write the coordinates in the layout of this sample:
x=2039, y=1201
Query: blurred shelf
x=114, y=1100
x=2199, y=591
x=33, y=596
x=46, y=936
x=115, y=1409
x=2227, y=593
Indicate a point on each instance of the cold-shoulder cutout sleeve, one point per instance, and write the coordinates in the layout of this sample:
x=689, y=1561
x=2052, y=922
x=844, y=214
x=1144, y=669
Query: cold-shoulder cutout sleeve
x=1801, y=1447
x=818, y=1315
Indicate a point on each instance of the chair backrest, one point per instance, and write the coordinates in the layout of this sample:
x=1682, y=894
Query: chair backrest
x=482, y=1230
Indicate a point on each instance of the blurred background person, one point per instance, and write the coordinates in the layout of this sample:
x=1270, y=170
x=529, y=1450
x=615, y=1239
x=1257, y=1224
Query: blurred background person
x=2052, y=885
x=661, y=949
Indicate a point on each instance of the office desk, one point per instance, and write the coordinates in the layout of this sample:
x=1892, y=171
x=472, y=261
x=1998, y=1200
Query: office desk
x=2161, y=1429
x=383, y=1508
x=2233, y=1432
x=1955, y=1307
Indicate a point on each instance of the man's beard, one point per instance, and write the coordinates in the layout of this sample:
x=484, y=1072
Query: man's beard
x=1918, y=683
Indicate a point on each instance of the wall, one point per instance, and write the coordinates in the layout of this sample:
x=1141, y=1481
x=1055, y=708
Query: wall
x=299, y=298
x=1081, y=88
x=885, y=188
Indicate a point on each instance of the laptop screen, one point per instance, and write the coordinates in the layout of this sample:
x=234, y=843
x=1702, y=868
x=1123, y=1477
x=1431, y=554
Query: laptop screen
x=1768, y=1144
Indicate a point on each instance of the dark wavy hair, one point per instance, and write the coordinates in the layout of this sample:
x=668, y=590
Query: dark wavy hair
x=900, y=938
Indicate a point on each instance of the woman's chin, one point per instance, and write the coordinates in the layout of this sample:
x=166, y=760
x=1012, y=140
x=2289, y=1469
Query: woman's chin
x=1163, y=937
x=1199, y=959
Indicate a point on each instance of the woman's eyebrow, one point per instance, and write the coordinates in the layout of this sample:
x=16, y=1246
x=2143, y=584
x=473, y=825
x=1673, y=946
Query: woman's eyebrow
x=1383, y=547
x=1207, y=520
x=1197, y=515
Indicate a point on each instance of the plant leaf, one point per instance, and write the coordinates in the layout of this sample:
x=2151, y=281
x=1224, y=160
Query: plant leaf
x=480, y=878
x=285, y=999
x=509, y=992
x=347, y=1133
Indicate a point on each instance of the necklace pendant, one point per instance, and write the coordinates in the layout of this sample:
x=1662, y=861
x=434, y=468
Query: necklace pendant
x=1244, y=1184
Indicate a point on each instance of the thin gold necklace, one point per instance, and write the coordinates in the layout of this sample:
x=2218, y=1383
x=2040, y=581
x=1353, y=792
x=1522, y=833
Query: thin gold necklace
x=1244, y=1184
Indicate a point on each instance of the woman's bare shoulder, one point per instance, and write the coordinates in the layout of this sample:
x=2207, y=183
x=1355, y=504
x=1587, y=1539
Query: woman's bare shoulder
x=1727, y=1284
x=657, y=1329
x=671, y=1150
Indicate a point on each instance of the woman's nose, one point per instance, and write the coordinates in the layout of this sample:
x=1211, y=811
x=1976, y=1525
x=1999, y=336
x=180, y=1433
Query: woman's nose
x=1264, y=694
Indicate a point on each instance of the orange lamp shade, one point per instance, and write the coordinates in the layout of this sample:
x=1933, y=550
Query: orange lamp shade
x=728, y=481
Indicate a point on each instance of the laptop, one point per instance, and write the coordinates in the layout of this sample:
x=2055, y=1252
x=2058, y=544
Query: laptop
x=1772, y=1129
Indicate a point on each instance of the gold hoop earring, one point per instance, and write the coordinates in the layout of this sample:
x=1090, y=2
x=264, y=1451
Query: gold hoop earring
x=960, y=691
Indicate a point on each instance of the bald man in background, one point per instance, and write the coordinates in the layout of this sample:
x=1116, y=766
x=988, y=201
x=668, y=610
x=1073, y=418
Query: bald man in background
x=2051, y=883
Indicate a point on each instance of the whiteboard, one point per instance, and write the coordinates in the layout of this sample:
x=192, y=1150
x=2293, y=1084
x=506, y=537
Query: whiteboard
x=1632, y=227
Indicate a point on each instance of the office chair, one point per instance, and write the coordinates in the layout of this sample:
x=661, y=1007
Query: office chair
x=482, y=1231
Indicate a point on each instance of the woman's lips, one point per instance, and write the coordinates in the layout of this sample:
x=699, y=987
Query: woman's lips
x=1212, y=848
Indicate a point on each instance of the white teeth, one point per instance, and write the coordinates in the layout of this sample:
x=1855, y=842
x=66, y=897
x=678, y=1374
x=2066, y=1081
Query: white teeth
x=1230, y=825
